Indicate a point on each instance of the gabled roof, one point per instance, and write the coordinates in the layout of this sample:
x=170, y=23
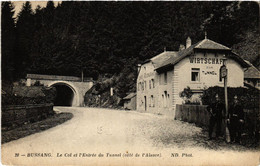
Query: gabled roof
x=211, y=45
x=163, y=57
x=179, y=56
x=205, y=44
x=252, y=72
x=130, y=96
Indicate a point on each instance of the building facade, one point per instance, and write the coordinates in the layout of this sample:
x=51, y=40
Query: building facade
x=162, y=78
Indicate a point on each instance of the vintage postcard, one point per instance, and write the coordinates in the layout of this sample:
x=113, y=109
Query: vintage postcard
x=130, y=83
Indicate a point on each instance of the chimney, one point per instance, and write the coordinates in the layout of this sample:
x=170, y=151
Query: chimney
x=182, y=47
x=188, y=42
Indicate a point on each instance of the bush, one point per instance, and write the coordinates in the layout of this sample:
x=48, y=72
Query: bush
x=37, y=83
x=249, y=98
x=186, y=95
x=194, y=102
x=13, y=99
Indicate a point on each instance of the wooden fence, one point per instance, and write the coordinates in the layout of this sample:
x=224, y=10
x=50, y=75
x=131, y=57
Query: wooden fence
x=197, y=114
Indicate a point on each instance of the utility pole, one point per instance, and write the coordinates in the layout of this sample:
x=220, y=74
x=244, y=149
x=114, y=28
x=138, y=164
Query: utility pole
x=224, y=73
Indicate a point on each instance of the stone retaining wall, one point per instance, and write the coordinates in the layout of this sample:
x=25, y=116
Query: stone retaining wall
x=19, y=114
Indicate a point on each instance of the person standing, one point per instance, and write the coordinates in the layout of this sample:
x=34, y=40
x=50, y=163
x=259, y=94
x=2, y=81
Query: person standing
x=216, y=110
x=235, y=120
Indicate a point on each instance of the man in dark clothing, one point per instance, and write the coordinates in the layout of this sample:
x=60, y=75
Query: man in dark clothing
x=216, y=111
x=236, y=120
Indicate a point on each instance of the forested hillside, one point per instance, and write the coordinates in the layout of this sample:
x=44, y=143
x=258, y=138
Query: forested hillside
x=106, y=39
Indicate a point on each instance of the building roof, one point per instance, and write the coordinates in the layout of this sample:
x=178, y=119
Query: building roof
x=130, y=96
x=252, y=72
x=163, y=57
x=205, y=44
x=209, y=44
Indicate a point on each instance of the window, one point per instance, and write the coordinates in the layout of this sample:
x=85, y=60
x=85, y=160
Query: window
x=162, y=100
x=165, y=77
x=165, y=99
x=149, y=84
x=152, y=101
x=142, y=85
x=195, y=74
x=160, y=79
x=153, y=83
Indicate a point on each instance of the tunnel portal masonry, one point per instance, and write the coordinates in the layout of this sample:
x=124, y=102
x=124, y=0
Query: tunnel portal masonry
x=78, y=87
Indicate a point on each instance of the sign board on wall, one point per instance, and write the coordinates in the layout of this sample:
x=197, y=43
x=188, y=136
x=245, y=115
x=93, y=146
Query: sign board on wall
x=206, y=60
x=223, y=71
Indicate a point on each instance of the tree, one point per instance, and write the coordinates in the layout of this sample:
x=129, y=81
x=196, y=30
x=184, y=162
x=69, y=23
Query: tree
x=186, y=94
x=8, y=41
x=102, y=37
x=25, y=31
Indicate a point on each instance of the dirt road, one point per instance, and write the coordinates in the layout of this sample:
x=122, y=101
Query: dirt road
x=110, y=137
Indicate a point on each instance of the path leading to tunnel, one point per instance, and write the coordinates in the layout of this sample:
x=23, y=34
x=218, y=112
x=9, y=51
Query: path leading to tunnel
x=107, y=131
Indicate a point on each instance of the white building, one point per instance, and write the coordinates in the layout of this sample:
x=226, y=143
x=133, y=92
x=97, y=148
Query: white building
x=163, y=77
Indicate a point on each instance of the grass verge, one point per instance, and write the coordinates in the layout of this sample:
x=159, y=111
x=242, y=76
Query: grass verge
x=31, y=128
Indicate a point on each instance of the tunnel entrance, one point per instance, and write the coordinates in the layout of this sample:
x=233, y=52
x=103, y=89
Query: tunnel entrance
x=64, y=95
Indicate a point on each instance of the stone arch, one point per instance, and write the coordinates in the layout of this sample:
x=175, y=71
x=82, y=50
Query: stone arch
x=76, y=98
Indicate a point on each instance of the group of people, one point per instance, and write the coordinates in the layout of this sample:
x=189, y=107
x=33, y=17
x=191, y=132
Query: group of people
x=235, y=118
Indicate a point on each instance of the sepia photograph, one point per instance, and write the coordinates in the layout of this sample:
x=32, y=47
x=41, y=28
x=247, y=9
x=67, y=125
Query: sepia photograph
x=122, y=83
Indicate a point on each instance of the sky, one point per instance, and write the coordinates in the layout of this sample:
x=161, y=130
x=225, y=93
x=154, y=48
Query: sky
x=19, y=4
